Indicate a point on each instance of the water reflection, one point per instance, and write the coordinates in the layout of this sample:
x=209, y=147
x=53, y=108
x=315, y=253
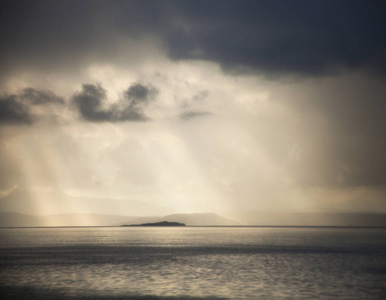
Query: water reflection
x=227, y=263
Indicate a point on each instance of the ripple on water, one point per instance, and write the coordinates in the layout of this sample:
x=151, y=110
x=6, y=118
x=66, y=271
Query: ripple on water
x=225, y=263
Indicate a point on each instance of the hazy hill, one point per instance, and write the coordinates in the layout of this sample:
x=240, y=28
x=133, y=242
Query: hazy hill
x=246, y=218
x=309, y=219
x=18, y=220
x=25, y=220
x=210, y=219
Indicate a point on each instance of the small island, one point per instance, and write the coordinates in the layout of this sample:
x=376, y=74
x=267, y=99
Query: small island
x=164, y=223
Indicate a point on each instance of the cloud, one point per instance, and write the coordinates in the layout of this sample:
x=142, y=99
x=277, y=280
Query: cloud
x=11, y=111
x=18, y=108
x=277, y=38
x=68, y=37
x=273, y=38
x=186, y=116
x=91, y=102
x=38, y=97
x=138, y=93
x=322, y=131
x=138, y=96
x=201, y=96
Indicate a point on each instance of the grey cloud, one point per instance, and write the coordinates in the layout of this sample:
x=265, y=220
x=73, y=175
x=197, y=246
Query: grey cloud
x=186, y=116
x=90, y=102
x=189, y=105
x=273, y=38
x=12, y=111
x=137, y=92
x=44, y=35
x=139, y=95
x=16, y=108
x=200, y=96
x=37, y=97
x=281, y=37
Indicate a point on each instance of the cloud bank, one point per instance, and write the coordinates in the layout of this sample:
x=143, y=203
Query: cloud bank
x=272, y=38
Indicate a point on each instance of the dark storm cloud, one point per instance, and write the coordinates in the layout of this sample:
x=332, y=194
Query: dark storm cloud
x=268, y=37
x=91, y=103
x=12, y=111
x=50, y=35
x=275, y=37
x=16, y=108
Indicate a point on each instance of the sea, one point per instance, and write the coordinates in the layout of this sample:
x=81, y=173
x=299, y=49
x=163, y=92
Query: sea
x=193, y=263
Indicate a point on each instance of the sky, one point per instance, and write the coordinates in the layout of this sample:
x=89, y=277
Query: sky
x=194, y=106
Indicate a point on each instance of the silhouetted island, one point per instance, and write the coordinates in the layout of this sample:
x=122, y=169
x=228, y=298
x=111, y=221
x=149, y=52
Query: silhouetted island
x=164, y=223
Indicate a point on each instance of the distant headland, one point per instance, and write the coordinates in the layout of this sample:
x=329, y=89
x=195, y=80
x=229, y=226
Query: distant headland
x=164, y=223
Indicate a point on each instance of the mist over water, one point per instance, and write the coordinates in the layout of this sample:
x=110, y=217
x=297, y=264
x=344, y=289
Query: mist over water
x=192, y=262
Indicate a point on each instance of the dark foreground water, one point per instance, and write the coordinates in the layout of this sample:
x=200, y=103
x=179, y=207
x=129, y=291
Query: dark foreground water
x=192, y=263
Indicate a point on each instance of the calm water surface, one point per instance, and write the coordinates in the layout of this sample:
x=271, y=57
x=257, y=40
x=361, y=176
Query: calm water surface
x=192, y=263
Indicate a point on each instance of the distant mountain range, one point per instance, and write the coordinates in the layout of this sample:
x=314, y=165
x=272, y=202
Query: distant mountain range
x=24, y=220
x=23, y=208
x=259, y=218
x=206, y=219
x=198, y=219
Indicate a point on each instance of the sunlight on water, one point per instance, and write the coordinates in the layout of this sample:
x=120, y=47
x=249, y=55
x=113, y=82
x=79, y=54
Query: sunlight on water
x=229, y=263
